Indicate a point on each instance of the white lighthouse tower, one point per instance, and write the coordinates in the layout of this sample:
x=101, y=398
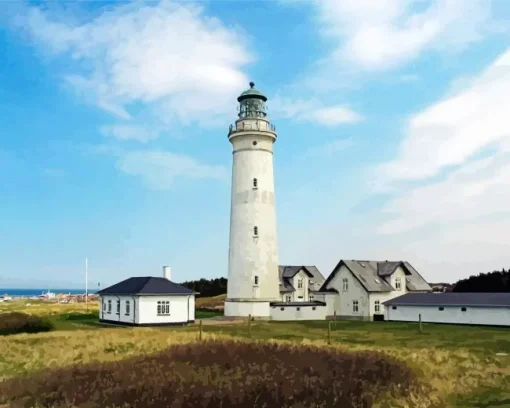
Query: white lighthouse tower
x=253, y=280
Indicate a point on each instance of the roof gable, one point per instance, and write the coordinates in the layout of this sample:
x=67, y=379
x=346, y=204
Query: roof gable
x=373, y=275
x=146, y=286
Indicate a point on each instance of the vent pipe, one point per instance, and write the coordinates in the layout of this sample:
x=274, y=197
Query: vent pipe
x=167, y=272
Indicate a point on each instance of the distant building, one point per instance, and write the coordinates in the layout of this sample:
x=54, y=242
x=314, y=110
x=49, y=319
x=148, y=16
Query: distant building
x=299, y=283
x=458, y=308
x=357, y=290
x=147, y=301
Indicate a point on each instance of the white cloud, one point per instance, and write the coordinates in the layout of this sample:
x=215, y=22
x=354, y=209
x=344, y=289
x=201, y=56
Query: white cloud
x=158, y=169
x=129, y=132
x=166, y=55
x=455, y=129
x=457, y=223
x=312, y=110
x=383, y=34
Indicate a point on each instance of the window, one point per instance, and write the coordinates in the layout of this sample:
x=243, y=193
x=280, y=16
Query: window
x=255, y=183
x=298, y=309
x=256, y=280
x=377, y=306
x=118, y=306
x=313, y=308
x=345, y=284
x=311, y=298
x=463, y=309
x=394, y=307
x=300, y=297
x=355, y=308
x=287, y=298
x=164, y=307
x=441, y=308
x=104, y=306
x=109, y=306
x=254, y=143
x=128, y=307
x=282, y=308
x=255, y=231
x=398, y=284
x=300, y=283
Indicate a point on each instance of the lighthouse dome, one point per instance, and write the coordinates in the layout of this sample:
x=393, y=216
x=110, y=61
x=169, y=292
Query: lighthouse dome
x=252, y=92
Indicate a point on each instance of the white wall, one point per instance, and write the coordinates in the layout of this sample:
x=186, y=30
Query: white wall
x=385, y=296
x=303, y=292
x=143, y=309
x=451, y=314
x=148, y=309
x=244, y=309
x=343, y=301
x=251, y=256
x=298, y=313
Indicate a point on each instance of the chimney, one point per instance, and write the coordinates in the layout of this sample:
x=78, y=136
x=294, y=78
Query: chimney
x=167, y=272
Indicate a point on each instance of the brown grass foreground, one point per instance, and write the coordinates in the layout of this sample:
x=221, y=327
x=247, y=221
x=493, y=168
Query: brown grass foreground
x=219, y=374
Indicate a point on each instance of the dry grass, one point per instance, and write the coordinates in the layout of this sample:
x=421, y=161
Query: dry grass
x=221, y=374
x=458, y=365
x=215, y=302
x=46, y=308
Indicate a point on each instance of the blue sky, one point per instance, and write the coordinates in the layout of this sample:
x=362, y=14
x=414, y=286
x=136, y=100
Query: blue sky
x=393, y=134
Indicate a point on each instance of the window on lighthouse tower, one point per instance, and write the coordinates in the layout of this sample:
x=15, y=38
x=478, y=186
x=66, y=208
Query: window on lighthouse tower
x=255, y=231
x=255, y=183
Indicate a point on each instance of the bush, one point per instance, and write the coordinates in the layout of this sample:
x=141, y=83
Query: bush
x=219, y=374
x=16, y=322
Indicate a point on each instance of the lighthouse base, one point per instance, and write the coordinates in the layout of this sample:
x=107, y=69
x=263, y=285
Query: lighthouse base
x=245, y=308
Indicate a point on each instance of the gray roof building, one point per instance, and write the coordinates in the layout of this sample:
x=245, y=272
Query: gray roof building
x=374, y=275
x=146, y=285
x=287, y=272
x=451, y=299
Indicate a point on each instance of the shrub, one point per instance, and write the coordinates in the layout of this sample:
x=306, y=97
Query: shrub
x=16, y=322
x=219, y=374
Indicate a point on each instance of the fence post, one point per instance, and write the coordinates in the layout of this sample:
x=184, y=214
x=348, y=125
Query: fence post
x=419, y=320
x=329, y=332
x=334, y=314
x=200, y=328
x=249, y=326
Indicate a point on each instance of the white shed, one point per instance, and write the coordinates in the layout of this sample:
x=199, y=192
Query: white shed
x=147, y=301
x=492, y=309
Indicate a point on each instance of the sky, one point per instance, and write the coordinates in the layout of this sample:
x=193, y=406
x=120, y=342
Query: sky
x=393, y=122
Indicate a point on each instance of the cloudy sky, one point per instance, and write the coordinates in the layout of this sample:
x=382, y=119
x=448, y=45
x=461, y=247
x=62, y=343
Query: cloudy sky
x=393, y=121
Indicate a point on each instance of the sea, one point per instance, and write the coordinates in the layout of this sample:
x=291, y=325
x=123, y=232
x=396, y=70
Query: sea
x=38, y=292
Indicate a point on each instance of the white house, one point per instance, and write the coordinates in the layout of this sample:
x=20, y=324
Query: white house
x=299, y=287
x=147, y=301
x=491, y=309
x=299, y=283
x=358, y=289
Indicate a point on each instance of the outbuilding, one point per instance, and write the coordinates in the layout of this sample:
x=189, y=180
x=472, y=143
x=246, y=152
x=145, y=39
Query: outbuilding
x=147, y=301
x=492, y=309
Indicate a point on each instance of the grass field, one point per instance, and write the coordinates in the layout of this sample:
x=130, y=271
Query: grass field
x=459, y=365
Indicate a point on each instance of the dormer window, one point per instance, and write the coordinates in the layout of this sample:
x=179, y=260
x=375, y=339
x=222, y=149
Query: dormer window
x=345, y=284
x=398, y=283
x=300, y=283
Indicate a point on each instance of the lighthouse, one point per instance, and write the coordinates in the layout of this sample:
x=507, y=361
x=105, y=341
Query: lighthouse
x=253, y=280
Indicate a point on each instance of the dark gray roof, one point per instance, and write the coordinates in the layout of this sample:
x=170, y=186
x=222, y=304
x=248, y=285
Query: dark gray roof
x=146, y=286
x=287, y=272
x=451, y=299
x=298, y=304
x=373, y=275
x=387, y=268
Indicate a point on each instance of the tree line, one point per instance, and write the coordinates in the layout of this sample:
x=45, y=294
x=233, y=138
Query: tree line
x=207, y=287
x=496, y=281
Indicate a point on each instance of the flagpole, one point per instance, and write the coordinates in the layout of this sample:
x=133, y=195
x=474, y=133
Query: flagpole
x=86, y=283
